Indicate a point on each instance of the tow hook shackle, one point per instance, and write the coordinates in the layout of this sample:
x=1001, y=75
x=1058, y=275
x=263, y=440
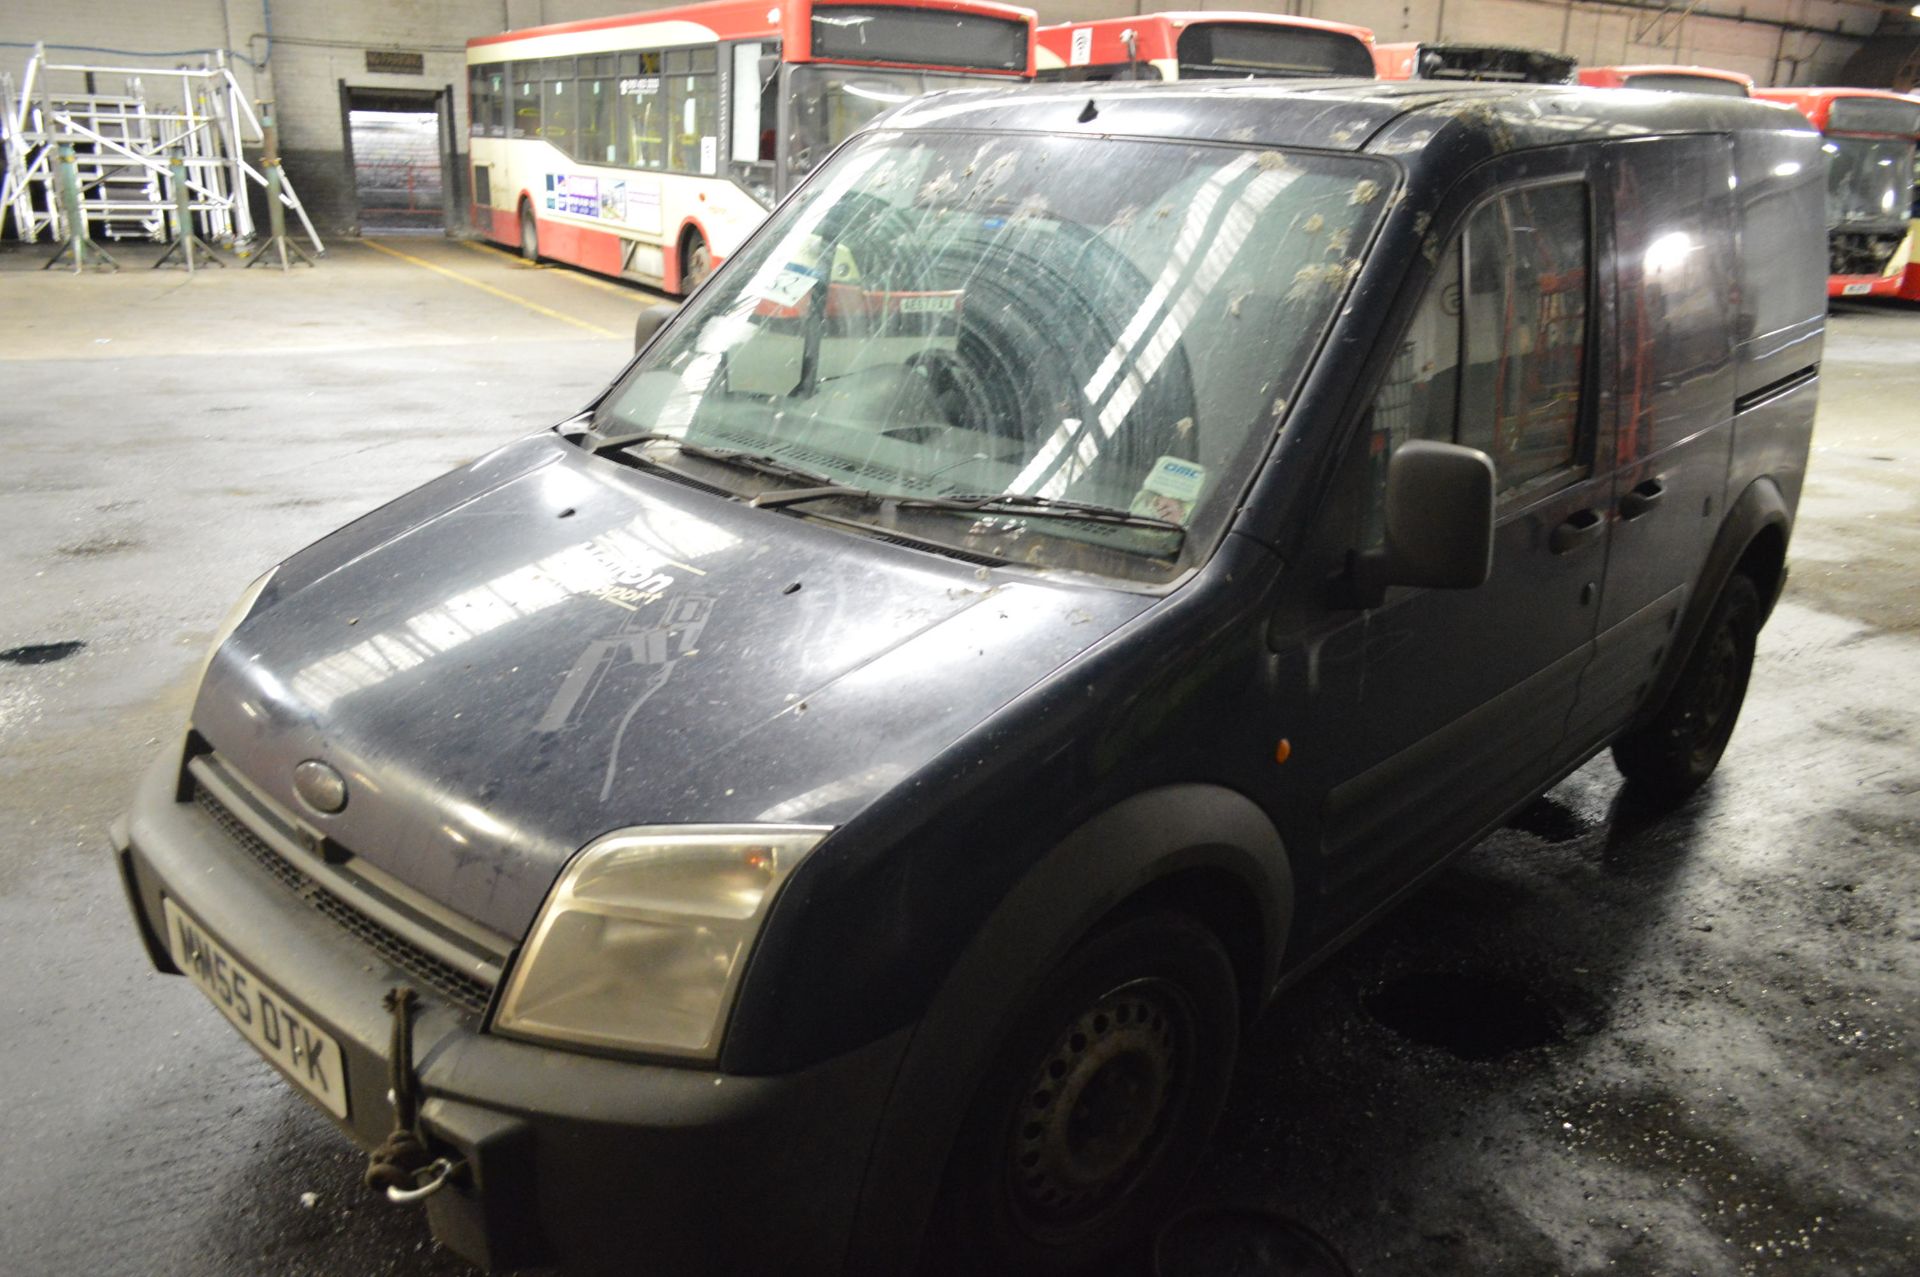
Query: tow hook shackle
x=403, y=1167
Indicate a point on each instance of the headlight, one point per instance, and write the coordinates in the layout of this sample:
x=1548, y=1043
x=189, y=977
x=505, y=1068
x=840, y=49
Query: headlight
x=241, y=610
x=641, y=943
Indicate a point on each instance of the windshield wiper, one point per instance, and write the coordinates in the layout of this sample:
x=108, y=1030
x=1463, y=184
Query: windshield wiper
x=765, y=463
x=794, y=496
x=978, y=503
x=1042, y=507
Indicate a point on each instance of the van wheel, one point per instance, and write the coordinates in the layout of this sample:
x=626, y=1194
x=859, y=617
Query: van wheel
x=529, y=234
x=1674, y=753
x=1098, y=1106
x=696, y=263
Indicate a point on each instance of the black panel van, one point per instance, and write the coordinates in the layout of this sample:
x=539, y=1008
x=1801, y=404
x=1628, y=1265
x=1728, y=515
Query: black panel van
x=841, y=797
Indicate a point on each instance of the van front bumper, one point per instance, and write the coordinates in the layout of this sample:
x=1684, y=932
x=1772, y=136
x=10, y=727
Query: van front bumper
x=593, y=1163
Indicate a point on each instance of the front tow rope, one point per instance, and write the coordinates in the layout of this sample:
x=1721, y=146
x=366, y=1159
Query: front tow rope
x=403, y=1167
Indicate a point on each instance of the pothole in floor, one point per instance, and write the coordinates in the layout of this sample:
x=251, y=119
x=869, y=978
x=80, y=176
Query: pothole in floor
x=1470, y=1016
x=1550, y=820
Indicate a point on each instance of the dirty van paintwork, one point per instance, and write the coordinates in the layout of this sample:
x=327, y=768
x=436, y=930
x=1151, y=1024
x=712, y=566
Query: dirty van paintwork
x=502, y=681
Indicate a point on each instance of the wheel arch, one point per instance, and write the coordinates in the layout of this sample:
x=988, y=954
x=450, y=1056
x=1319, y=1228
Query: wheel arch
x=1752, y=540
x=1203, y=849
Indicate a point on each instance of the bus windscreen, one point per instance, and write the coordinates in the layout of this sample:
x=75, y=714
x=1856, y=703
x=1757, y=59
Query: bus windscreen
x=1874, y=115
x=919, y=37
x=1227, y=50
x=1678, y=82
x=1492, y=63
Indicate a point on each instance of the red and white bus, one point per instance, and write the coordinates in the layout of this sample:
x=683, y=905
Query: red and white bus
x=1670, y=79
x=1909, y=289
x=1869, y=139
x=1203, y=45
x=650, y=146
x=1493, y=63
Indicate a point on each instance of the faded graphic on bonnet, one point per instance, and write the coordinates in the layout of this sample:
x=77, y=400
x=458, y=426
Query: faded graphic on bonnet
x=630, y=663
x=620, y=567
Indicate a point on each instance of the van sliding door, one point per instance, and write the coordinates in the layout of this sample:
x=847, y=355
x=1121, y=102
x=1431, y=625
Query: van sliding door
x=1675, y=278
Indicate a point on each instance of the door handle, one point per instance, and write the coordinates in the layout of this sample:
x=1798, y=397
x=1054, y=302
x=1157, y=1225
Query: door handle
x=1583, y=527
x=1642, y=498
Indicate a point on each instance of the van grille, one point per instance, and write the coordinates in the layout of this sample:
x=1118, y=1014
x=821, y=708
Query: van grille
x=460, y=989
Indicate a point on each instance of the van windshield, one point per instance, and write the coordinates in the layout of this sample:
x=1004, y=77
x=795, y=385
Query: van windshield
x=1069, y=352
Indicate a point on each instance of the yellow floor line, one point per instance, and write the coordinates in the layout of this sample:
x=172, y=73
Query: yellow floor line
x=496, y=252
x=471, y=282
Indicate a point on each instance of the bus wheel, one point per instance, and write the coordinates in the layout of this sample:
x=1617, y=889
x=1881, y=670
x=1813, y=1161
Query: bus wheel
x=696, y=263
x=529, y=234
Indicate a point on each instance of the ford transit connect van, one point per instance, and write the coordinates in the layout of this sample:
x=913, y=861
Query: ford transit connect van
x=840, y=798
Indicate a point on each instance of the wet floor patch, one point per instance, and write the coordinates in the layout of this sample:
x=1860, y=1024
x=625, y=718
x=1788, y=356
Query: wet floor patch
x=41, y=653
x=1470, y=1016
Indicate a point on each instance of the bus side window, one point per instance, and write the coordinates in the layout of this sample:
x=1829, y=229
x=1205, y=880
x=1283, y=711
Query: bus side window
x=692, y=111
x=526, y=99
x=557, y=112
x=754, y=122
x=595, y=143
x=642, y=130
x=755, y=105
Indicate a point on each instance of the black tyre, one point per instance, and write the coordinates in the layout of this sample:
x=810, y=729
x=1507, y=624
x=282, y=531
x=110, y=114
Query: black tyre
x=1097, y=1108
x=1673, y=754
x=696, y=263
x=529, y=234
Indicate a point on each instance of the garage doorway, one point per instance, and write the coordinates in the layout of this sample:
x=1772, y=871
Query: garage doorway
x=399, y=157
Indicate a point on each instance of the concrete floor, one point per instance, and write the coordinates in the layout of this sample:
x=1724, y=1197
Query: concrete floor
x=1678, y=1045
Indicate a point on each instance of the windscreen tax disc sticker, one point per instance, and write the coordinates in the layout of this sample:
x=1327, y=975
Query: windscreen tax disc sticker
x=1170, y=489
x=789, y=287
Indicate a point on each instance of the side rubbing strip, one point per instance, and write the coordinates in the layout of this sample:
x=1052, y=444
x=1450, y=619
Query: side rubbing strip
x=1774, y=389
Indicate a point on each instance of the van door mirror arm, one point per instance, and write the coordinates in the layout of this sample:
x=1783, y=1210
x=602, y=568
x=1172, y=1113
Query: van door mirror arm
x=1440, y=506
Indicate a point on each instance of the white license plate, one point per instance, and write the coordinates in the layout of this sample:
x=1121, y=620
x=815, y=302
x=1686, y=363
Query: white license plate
x=1855, y=290
x=283, y=1035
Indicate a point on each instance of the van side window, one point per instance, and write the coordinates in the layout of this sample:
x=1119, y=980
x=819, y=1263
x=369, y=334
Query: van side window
x=1418, y=399
x=1420, y=395
x=1495, y=356
x=1525, y=310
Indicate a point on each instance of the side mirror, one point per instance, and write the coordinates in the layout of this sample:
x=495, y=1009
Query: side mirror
x=1439, y=524
x=650, y=322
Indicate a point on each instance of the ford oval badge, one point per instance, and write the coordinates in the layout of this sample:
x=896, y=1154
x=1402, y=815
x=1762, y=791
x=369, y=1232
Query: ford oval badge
x=320, y=786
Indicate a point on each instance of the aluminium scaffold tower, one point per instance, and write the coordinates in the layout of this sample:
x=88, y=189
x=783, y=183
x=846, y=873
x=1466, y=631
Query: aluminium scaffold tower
x=137, y=135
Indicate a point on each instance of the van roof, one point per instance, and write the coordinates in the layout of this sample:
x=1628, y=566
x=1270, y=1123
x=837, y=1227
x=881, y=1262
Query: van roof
x=1348, y=115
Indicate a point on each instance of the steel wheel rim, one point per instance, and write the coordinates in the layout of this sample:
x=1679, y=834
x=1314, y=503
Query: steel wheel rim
x=1709, y=715
x=1098, y=1110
